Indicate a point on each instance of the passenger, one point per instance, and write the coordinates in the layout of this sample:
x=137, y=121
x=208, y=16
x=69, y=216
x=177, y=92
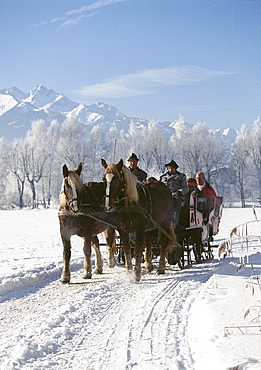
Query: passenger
x=191, y=181
x=177, y=183
x=184, y=211
x=210, y=195
x=206, y=189
x=133, y=167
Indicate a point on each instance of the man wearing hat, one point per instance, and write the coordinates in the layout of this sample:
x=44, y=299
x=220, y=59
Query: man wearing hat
x=133, y=167
x=177, y=183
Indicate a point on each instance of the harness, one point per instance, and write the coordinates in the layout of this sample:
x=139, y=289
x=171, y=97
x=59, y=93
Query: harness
x=88, y=194
x=119, y=209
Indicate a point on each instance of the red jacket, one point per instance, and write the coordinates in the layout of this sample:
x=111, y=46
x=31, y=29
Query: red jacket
x=210, y=194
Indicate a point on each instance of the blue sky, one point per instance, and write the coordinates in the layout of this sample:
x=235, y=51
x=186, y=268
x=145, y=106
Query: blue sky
x=153, y=59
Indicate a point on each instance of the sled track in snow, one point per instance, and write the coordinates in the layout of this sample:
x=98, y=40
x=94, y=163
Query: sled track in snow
x=77, y=323
x=152, y=333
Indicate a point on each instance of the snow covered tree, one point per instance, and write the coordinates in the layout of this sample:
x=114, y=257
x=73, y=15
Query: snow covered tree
x=16, y=167
x=254, y=152
x=34, y=155
x=3, y=170
x=240, y=159
x=53, y=163
x=72, y=147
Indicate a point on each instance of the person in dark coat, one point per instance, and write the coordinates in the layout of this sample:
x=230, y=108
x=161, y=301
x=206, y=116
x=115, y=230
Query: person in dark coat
x=133, y=167
x=177, y=182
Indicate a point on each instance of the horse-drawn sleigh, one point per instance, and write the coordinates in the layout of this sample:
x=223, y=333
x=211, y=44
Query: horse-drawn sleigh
x=120, y=203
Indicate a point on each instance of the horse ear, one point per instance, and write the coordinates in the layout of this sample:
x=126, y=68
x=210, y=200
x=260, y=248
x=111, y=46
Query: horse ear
x=104, y=163
x=79, y=169
x=119, y=165
x=65, y=171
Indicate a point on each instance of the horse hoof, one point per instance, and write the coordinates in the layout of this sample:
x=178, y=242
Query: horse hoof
x=97, y=272
x=65, y=280
x=149, y=268
x=160, y=272
x=87, y=276
x=111, y=264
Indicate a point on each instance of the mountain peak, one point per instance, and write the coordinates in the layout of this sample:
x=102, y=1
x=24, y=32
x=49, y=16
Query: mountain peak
x=18, y=110
x=41, y=96
x=16, y=93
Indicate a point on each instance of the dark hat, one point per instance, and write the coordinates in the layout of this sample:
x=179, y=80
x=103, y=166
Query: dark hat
x=133, y=156
x=192, y=180
x=172, y=164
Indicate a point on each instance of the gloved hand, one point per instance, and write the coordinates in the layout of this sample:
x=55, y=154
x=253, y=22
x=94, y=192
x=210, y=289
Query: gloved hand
x=176, y=194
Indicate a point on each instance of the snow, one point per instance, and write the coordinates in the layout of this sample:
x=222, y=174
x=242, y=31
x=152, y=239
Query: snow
x=172, y=321
x=6, y=102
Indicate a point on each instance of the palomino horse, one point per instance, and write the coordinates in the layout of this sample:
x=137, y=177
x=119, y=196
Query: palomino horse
x=77, y=200
x=139, y=208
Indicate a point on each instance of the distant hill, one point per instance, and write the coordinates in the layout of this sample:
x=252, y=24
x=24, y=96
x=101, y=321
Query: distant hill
x=19, y=109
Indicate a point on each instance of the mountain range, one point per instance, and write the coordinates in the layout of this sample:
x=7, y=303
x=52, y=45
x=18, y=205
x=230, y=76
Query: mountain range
x=18, y=110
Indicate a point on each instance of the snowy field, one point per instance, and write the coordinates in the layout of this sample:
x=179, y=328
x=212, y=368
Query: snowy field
x=185, y=320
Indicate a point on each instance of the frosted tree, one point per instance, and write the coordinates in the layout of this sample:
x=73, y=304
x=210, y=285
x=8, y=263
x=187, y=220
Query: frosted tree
x=53, y=164
x=34, y=155
x=16, y=167
x=240, y=159
x=158, y=149
x=3, y=170
x=201, y=151
x=95, y=149
x=72, y=146
x=135, y=142
x=191, y=144
x=254, y=152
x=214, y=155
x=178, y=143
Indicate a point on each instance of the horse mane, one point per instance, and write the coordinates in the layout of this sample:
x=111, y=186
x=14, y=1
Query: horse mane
x=75, y=181
x=63, y=201
x=131, y=181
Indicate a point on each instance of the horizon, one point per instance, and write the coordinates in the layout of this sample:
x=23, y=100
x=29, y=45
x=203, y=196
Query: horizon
x=152, y=60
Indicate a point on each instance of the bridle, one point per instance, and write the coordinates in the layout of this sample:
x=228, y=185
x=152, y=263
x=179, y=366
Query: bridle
x=72, y=203
x=119, y=197
x=89, y=198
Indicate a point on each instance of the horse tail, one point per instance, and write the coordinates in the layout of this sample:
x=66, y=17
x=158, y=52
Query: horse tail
x=114, y=244
x=172, y=243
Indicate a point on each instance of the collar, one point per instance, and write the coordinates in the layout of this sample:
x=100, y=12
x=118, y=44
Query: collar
x=200, y=187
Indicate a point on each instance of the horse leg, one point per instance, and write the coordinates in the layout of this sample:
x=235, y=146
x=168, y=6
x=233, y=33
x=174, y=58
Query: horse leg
x=140, y=234
x=66, y=275
x=127, y=249
x=111, y=246
x=98, y=261
x=87, y=253
x=148, y=253
x=162, y=260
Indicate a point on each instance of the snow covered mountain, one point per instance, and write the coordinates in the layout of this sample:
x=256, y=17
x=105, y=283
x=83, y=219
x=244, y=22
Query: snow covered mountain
x=19, y=109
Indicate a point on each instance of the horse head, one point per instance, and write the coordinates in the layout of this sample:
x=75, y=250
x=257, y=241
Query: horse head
x=121, y=184
x=71, y=188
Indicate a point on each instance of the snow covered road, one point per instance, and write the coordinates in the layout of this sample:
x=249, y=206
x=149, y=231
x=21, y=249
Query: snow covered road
x=110, y=322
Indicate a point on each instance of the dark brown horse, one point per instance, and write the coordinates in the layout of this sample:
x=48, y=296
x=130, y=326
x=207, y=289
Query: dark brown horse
x=139, y=208
x=77, y=200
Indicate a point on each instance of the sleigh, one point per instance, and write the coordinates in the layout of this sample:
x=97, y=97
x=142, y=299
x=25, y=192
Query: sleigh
x=198, y=224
